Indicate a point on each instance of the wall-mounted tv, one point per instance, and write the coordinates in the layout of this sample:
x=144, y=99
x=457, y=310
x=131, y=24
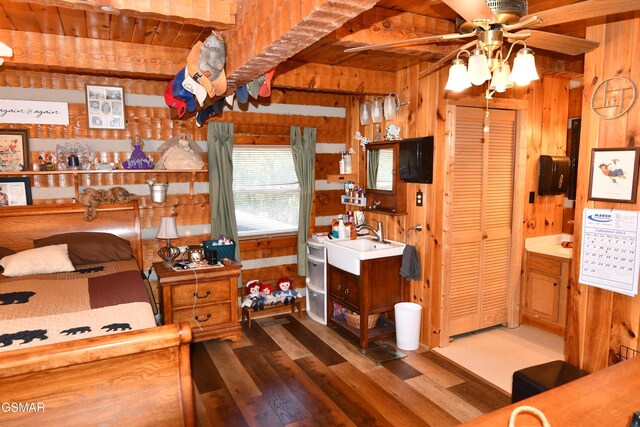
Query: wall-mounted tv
x=416, y=159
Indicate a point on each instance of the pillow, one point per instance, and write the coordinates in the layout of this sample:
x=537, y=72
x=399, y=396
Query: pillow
x=90, y=247
x=5, y=252
x=49, y=259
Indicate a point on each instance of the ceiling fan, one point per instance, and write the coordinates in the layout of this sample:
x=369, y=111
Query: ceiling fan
x=491, y=23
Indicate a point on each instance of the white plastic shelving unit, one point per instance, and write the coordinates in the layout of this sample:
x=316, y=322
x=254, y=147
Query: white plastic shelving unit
x=317, y=282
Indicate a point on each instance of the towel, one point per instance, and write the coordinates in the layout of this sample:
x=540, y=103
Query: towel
x=410, y=268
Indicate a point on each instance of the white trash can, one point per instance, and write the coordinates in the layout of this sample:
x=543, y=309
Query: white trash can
x=408, y=317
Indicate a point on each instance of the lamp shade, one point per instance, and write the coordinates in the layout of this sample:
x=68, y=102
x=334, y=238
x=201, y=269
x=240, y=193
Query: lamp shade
x=365, y=113
x=5, y=50
x=478, y=67
x=376, y=110
x=391, y=104
x=524, y=68
x=167, y=228
x=500, y=81
x=458, y=79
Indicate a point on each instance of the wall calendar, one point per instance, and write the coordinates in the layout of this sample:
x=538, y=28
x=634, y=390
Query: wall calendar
x=610, y=250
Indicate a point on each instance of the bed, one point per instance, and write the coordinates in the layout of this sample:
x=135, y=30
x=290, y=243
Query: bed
x=112, y=367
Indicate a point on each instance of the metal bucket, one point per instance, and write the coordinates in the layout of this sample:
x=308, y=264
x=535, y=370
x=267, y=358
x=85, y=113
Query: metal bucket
x=158, y=192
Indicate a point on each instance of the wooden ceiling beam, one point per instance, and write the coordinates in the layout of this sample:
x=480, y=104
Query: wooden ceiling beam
x=331, y=78
x=218, y=14
x=380, y=25
x=92, y=56
x=268, y=32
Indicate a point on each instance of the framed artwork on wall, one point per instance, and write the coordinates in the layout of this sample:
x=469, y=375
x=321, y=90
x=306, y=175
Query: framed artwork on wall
x=105, y=107
x=14, y=150
x=614, y=174
x=15, y=191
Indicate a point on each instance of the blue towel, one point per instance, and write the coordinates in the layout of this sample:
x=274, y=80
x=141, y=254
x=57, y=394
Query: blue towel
x=410, y=268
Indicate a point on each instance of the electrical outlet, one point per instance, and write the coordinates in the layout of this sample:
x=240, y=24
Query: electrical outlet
x=532, y=197
x=419, y=197
x=183, y=249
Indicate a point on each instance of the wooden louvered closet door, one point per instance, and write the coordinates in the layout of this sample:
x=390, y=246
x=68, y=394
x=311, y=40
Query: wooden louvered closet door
x=479, y=215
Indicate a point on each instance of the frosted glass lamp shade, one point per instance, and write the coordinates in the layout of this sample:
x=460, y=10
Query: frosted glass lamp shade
x=391, y=104
x=500, y=81
x=458, y=78
x=167, y=228
x=478, y=68
x=5, y=50
x=524, y=68
x=376, y=111
x=365, y=113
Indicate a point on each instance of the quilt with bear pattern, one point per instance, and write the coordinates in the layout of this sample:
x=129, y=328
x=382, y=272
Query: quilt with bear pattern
x=97, y=299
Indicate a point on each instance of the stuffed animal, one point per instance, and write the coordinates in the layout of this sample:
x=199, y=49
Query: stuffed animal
x=266, y=294
x=252, y=299
x=285, y=293
x=91, y=198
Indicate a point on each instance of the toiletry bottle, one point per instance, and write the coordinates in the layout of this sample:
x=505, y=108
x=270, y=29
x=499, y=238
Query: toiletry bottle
x=342, y=230
x=347, y=163
x=342, y=163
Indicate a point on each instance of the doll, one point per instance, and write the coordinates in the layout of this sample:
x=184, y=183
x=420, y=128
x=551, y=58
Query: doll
x=266, y=294
x=285, y=293
x=252, y=299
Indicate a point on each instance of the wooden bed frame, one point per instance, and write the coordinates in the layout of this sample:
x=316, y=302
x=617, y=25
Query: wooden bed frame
x=140, y=377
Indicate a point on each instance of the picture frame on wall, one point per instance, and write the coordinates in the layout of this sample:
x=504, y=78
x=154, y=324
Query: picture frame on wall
x=105, y=107
x=14, y=150
x=15, y=191
x=614, y=174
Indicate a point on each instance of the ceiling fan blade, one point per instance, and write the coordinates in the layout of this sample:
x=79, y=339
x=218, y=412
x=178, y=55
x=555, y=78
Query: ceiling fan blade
x=409, y=42
x=471, y=10
x=584, y=10
x=558, y=42
x=437, y=65
x=529, y=22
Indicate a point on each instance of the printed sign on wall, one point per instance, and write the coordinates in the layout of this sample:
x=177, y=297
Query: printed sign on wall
x=34, y=112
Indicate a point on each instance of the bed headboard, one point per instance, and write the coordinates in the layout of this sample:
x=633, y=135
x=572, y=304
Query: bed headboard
x=20, y=225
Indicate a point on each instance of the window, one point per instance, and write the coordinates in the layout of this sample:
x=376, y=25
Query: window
x=265, y=190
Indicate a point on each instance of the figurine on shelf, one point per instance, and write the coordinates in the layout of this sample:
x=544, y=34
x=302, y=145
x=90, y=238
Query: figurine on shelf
x=138, y=160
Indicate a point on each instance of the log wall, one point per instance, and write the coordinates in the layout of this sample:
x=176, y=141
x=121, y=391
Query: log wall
x=264, y=123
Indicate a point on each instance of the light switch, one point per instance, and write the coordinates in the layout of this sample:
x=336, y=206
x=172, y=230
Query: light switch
x=419, y=196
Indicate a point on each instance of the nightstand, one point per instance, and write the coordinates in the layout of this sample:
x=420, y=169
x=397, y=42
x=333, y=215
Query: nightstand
x=207, y=298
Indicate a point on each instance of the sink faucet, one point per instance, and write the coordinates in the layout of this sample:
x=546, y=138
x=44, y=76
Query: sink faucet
x=379, y=233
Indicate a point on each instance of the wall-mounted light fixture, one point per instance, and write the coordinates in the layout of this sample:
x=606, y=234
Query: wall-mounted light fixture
x=374, y=111
x=484, y=66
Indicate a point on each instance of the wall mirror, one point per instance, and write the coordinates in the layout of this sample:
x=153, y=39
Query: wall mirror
x=380, y=168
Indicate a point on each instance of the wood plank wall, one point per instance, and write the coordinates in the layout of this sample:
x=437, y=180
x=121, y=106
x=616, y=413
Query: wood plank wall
x=547, y=103
x=266, y=123
x=599, y=321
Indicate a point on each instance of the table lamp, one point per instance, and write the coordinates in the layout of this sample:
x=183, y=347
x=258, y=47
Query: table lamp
x=168, y=230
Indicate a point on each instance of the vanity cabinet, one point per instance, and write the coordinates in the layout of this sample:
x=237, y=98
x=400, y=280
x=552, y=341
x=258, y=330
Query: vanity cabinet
x=375, y=291
x=544, y=292
x=386, y=192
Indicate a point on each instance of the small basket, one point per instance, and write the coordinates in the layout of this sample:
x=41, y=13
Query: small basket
x=223, y=251
x=353, y=320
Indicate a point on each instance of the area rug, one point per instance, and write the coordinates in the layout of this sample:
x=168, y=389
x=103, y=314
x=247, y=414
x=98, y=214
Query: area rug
x=495, y=353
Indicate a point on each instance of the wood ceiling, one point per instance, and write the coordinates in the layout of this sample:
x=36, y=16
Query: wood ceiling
x=304, y=38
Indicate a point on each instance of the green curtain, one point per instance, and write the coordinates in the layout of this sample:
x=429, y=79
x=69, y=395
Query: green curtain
x=372, y=168
x=303, y=148
x=223, y=211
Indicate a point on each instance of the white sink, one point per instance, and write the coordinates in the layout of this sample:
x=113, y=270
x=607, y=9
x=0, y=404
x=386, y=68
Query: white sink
x=347, y=254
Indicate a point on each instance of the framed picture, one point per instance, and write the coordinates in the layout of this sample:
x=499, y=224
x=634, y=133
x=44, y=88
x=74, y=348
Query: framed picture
x=14, y=150
x=15, y=191
x=614, y=174
x=105, y=107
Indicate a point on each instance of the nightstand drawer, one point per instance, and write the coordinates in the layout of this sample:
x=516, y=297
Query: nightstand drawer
x=208, y=315
x=208, y=293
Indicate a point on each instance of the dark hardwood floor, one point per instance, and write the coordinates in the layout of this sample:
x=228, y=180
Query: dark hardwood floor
x=296, y=372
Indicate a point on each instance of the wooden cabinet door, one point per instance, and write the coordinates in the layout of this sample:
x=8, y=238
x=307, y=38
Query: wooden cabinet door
x=478, y=212
x=543, y=297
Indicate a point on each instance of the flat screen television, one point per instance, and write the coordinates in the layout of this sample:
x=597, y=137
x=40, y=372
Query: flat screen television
x=416, y=159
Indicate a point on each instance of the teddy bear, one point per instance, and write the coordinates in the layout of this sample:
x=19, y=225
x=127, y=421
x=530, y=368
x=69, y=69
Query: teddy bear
x=285, y=293
x=252, y=299
x=91, y=198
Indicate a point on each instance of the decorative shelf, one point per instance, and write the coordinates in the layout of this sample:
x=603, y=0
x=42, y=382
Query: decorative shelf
x=342, y=177
x=75, y=173
x=353, y=201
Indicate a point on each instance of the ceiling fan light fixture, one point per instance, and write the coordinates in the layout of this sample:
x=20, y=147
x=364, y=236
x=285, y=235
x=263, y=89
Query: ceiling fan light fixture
x=478, y=67
x=458, y=77
x=524, y=68
x=500, y=81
